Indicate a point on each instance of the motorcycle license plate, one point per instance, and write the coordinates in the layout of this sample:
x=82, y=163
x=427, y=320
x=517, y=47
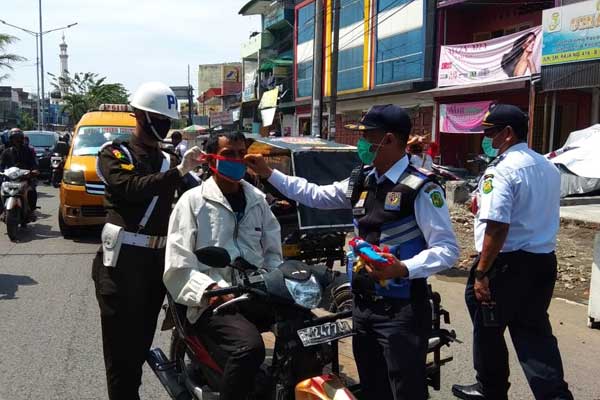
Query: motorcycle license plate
x=326, y=332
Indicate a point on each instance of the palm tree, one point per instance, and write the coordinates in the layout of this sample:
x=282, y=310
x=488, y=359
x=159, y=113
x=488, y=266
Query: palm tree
x=7, y=59
x=86, y=91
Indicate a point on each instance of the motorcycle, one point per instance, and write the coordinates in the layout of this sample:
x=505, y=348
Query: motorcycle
x=305, y=340
x=306, y=337
x=12, y=192
x=57, y=163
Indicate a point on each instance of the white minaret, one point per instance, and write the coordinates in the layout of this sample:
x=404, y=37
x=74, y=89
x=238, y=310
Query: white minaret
x=64, y=64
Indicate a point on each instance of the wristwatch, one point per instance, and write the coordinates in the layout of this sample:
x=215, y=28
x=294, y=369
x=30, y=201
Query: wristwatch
x=480, y=274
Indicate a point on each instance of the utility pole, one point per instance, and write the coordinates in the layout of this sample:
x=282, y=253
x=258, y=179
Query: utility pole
x=190, y=98
x=334, y=70
x=42, y=65
x=317, y=73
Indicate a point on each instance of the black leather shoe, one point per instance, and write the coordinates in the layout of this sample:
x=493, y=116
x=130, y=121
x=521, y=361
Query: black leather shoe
x=468, y=392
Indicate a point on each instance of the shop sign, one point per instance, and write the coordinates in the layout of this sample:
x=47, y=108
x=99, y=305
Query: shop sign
x=498, y=59
x=571, y=33
x=221, y=118
x=463, y=117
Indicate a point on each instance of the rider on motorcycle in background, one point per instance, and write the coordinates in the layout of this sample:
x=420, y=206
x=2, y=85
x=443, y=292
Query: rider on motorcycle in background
x=228, y=212
x=20, y=155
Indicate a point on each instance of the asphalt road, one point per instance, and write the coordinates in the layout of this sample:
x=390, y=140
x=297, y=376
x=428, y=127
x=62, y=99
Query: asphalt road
x=50, y=346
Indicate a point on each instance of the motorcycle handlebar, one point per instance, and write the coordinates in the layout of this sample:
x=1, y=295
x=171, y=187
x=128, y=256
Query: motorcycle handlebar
x=224, y=291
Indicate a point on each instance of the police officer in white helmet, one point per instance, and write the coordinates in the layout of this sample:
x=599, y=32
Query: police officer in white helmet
x=140, y=182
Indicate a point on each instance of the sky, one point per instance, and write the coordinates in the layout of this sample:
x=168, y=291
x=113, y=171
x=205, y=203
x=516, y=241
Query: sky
x=128, y=41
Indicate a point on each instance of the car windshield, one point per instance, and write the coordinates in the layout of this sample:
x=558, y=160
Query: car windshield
x=89, y=139
x=41, y=140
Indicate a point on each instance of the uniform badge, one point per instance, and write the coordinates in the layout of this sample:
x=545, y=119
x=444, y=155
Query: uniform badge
x=393, y=201
x=487, y=186
x=118, y=154
x=436, y=199
x=361, y=200
x=128, y=167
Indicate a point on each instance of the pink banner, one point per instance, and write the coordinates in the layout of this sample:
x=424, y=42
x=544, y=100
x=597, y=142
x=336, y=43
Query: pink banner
x=506, y=57
x=463, y=117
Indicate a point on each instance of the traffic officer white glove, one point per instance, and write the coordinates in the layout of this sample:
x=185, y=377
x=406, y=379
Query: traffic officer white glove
x=190, y=160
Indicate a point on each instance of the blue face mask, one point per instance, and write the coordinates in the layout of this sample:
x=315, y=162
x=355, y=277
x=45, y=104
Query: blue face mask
x=230, y=168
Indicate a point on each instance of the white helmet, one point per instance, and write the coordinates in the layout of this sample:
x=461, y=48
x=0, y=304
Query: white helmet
x=155, y=97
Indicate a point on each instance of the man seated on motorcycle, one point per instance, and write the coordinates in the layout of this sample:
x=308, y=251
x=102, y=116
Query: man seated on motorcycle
x=228, y=212
x=19, y=155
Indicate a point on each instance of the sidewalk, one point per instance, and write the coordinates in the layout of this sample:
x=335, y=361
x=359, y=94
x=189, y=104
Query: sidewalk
x=586, y=213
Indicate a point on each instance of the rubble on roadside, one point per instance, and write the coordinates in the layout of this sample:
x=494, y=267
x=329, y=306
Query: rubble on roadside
x=574, y=252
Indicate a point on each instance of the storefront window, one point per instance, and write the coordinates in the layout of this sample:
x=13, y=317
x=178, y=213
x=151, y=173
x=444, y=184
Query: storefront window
x=350, y=58
x=400, y=41
x=304, y=49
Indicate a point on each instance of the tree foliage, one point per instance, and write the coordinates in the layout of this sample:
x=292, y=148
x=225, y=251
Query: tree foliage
x=7, y=59
x=27, y=122
x=86, y=91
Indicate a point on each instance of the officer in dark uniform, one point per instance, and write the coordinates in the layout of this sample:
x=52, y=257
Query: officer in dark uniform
x=511, y=282
x=396, y=205
x=140, y=184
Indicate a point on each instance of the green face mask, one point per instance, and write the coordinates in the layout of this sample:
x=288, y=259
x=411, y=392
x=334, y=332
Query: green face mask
x=366, y=155
x=488, y=147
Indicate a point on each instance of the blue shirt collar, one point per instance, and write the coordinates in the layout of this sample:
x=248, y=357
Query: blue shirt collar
x=394, y=173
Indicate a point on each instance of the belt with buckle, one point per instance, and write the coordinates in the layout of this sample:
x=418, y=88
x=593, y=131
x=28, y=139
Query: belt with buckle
x=139, y=240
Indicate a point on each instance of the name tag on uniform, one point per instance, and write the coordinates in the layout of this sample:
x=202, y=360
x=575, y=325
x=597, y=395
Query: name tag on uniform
x=393, y=201
x=357, y=212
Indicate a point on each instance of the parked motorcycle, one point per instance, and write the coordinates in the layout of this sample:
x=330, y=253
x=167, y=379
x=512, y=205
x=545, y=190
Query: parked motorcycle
x=305, y=342
x=15, y=184
x=57, y=163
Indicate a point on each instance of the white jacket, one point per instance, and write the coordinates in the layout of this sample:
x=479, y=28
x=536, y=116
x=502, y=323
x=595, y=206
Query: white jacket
x=203, y=217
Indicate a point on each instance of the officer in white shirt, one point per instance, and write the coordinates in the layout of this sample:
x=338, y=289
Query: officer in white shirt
x=395, y=205
x=512, y=280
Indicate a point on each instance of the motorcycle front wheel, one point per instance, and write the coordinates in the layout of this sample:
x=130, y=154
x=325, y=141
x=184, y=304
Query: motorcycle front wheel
x=13, y=217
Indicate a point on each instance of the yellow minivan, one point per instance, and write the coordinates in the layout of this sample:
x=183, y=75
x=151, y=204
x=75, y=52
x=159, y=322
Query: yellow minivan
x=81, y=191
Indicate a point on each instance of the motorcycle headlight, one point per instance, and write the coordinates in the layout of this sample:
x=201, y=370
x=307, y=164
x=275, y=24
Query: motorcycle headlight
x=306, y=294
x=73, y=177
x=11, y=188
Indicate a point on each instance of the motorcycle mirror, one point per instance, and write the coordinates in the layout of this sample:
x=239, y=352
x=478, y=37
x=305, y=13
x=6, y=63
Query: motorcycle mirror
x=216, y=257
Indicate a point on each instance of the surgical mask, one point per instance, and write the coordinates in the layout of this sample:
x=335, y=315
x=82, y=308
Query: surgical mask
x=366, y=155
x=158, y=127
x=488, y=147
x=229, y=168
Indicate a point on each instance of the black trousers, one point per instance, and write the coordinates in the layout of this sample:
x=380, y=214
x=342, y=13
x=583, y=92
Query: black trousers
x=237, y=336
x=390, y=347
x=130, y=297
x=521, y=284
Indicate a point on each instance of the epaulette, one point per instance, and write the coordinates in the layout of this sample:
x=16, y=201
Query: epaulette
x=415, y=177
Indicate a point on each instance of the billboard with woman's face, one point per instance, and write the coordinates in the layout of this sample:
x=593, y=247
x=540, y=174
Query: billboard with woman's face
x=506, y=57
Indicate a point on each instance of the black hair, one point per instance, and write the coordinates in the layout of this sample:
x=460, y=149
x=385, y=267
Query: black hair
x=212, y=144
x=510, y=59
x=177, y=133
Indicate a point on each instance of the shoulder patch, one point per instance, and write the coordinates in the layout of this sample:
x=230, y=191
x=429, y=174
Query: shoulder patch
x=118, y=154
x=437, y=199
x=127, y=167
x=487, y=186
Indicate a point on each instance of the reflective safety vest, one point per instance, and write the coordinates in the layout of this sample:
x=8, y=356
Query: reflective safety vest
x=384, y=215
